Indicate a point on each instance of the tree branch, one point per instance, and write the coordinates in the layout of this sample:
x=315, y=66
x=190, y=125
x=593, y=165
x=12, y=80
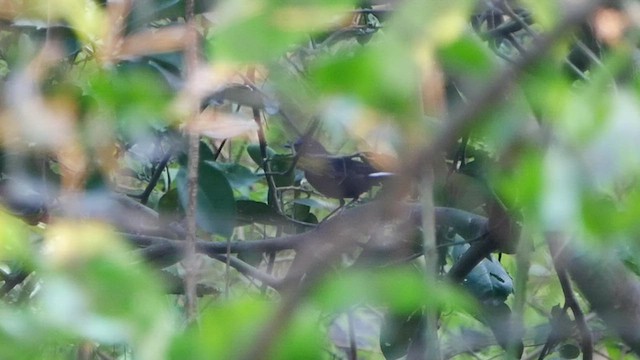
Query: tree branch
x=555, y=244
x=190, y=280
x=612, y=291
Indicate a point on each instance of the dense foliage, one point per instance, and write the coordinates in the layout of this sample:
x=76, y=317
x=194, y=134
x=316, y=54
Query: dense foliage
x=372, y=180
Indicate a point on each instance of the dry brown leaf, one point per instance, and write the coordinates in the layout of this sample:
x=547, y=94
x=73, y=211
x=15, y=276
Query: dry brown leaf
x=610, y=25
x=167, y=39
x=217, y=125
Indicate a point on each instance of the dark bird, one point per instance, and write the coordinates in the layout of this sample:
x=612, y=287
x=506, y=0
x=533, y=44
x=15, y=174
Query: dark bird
x=339, y=177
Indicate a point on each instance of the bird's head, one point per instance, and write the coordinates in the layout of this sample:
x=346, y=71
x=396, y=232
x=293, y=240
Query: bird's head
x=309, y=146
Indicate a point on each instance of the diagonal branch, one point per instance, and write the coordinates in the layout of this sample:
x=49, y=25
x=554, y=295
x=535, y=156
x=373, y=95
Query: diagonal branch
x=555, y=244
x=612, y=291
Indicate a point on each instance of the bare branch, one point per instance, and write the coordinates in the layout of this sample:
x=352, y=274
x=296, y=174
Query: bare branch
x=555, y=245
x=190, y=280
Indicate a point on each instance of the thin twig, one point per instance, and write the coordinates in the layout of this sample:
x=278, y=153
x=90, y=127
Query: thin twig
x=430, y=252
x=219, y=150
x=144, y=197
x=248, y=270
x=555, y=244
x=190, y=278
x=270, y=263
x=353, y=346
x=227, y=282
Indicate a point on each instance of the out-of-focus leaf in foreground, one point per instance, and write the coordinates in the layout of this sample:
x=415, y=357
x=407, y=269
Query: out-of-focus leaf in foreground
x=94, y=288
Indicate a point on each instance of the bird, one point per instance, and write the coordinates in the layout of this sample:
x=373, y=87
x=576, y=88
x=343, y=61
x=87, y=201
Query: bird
x=334, y=176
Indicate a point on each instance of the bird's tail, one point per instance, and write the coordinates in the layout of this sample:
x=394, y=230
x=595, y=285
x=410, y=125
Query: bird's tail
x=381, y=175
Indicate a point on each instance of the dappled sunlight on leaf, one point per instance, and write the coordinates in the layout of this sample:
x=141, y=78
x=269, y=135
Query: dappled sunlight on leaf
x=70, y=243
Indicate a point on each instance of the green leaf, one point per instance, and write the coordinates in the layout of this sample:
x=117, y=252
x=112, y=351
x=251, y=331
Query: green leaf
x=253, y=39
x=381, y=77
x=282, y=164
x=300, y=211
x=206, y=154
x=403, y=289
x=466, y=56
x=216, y=207
x=304, y=339
x=14, y=234
x=488, y=281
x=137, y=94
x=397, y=332
x=82, y=290
x=227, y=330
x=237, y=175
x=224, y=330
x=569, y=351
x=254, y=152
x=250, y=212
x=169, y=204
x=264, y=31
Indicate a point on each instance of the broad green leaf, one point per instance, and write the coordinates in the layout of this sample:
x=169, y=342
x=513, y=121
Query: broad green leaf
x=281, y=164
x=300, y=212
x=206, y=153
x=250, y=212
x=14, y=238
x=303, y=338
x=237, y=175
x=252, y=39
x=466, y=57
x=382, y=77
x=262, y=31
x=225, y=330
x=169, y=204
x=397, y=332
x=402, y=289
x=137, y=94
x=488, y=281
x=254, y=152
x=569, y=351
x=216, y=206
x=85, y=274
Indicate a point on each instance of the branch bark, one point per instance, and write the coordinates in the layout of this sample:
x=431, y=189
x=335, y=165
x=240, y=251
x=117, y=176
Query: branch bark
x=190, y=278
x=612, y=291
x=586, y=343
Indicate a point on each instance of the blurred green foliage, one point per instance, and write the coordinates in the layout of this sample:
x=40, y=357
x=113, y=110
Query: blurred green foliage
x=559, y=150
